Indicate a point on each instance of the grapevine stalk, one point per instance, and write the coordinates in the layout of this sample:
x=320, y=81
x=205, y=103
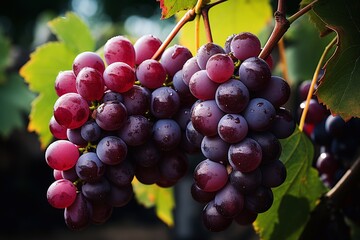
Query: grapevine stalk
x=313, y=82
x=189, y=16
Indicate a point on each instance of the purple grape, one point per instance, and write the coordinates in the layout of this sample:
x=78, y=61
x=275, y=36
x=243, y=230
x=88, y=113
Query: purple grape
x=101, y=212
x=111, y=150
x=245, y=217
x=90, y=84
x=260, y=200
x=273, y=174
x=120, y=196
x=88, y=59
x=190, y=67
x=246, y=182
x=201, y=86
x=89, y=168
x=193, y=136
x=110, y=96
x=232, y=128
x=277, y=91
x=220, y=67
x=119, y=49
x=213, y=220
x=137, y=100
x=254, y=73
x=119, y=77
x=270, y=146
x=96, y=191
x=186, y=97
x=259, y=114
x=245, y=156
x=57, y=130
x=316, y=112
x=74, y=136
x=210, y=176
x=205, y=52
x=151, y=74
x=327, y=163
x=146, y=155
x=215, y=149
x=232, y=96
x=173, y=165
x=166, y=134
x=228, y=201
x=165, y=102
x=174, y=58
x=245, y=45
x=145, y=47
x=200, y=195
x=77, y=216
x=283, y=124
x=90, y=131
x=65, y=82
x=205, y=117
x=147, y=175
x=111, y=116
x=136, y=130
x=120, y=174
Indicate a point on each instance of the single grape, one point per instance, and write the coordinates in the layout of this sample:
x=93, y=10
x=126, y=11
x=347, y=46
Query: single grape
x=61, y=193
x=201, y=86
x=110, y=96
x=111, y=116
x=120, y=174
x=190, y=67
x=145, y=47
x=205, y=117
x=119, y=77
x=174, y=57
x=137, y=100
x=232, y=96
x=259, y=114
x=245, y=156
x=96, y=191
x=200, y=195
x=146, y=155
x=215, y=149
x=65, y=82
x=186, y=97
x=173, y=165
x=89, y=168
x=335, y=126
x=277, y=91
x=74, y=136
x=166, y=134
x=77, y=216
x=119, y=49
x=205, y=52
x=111, y=150
x=71, y=110
x=57, y=130
x=246, y=182
x=151, y=74
x=213, y=220
x=70, y=174
x=90, y=131
x=120, y=196
x=88, y=59
x=165, y=102
x=57, y=174
x=283, y=124
x=220, y=67
x=260, y=200
x=210, y=176
x=90, y=84
x=232, y=128
x=228, y=201
x=136, y=130
x=270, y=145
x=245, y=45
x=273, y=174
x=327, y=163
x=192, y=135
x=61, y=155
x=316, y=111
x=254, y=73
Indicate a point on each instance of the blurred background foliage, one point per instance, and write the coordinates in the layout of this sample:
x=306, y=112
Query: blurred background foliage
x=24, y=174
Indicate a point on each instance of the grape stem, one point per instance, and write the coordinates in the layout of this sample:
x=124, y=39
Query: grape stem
x=313, y=82
x=205, y=15
x=189, y=16
x=282, y=24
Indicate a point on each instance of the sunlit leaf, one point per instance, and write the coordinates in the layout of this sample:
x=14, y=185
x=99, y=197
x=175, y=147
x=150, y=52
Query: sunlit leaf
x=297, y=196
x=170, y=7
x=229, y=18
x=339, y=88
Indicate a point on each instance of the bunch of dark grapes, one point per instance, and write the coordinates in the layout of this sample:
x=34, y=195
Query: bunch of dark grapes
x=115, y=119
x=236, y=122
x=337, y=145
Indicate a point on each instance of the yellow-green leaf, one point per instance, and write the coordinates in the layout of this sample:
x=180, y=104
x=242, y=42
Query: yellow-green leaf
x=73, y=32
x=40, y=73
x=154, y=196
x=229, y=18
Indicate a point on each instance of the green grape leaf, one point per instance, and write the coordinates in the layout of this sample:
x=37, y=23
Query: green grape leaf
x=40, y=73
x=170, y=7
x=339, y=88
x=320, y=25
x=297, y=196
x=5, y=47
x=16, y=98
x=73, y=32
x=44, y=65
x=229, y=18
x=154, y=196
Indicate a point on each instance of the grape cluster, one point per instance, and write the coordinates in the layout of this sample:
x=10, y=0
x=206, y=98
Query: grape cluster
x=337, y=145
x=236, y=122
x=116, y=119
